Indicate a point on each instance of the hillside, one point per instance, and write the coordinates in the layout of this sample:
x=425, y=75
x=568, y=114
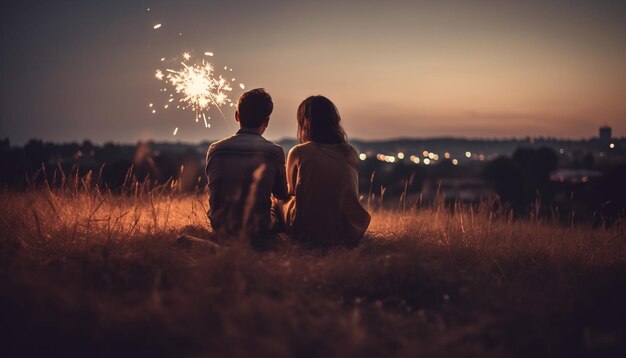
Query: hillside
x=85, y=272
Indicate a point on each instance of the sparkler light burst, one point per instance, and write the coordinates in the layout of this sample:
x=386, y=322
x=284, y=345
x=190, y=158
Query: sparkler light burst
x=197, y=87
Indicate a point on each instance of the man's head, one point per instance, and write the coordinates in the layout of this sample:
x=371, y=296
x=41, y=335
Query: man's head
x=254, y=109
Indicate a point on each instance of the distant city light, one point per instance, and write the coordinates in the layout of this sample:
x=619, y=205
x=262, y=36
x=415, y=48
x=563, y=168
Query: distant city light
x=425, y=153
x=446, y=155
x=415, y=159
x=468, y=154
x=431, y=155
x=455, y=162
x=400, y=155
x=481, y=157
x=362, y=156
x=561, y=150
x=426, y=161
x=385, y=158
x=612, y=145
x=435, y=157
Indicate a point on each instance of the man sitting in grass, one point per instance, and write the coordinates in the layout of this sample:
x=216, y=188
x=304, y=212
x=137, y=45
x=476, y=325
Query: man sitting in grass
x=244, y=170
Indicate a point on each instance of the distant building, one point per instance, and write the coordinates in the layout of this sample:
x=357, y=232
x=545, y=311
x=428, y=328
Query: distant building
x=605, y=134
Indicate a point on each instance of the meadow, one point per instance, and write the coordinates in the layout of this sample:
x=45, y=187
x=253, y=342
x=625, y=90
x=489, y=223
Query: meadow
x=84, y=271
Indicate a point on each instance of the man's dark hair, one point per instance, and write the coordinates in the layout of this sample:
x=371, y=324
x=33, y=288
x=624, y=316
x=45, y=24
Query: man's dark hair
x=255, y=107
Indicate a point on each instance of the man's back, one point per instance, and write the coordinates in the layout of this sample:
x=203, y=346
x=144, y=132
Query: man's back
x=243, y=171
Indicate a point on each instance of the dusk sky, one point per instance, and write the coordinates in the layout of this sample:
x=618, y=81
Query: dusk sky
x=75, y=70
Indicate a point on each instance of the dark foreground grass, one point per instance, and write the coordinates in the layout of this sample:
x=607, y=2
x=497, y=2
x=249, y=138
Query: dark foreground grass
x=89, y=274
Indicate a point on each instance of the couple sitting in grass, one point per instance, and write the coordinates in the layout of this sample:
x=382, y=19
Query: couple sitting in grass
x=313, y=198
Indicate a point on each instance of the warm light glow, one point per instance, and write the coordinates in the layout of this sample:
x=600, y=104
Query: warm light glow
x=468, y=154
x=362, y=156
x=158, y=75
x=446, y=155
x=208, y=53
x=426, y=161
x=175, y=130
x=186, y=56
x=157, y=26
x=455, y=162
x=612, y=145
x=425, y=153
x=400, y=155
x=431, y=155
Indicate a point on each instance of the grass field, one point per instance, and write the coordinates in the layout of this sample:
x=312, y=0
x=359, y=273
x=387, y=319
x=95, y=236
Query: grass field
x=84, y=272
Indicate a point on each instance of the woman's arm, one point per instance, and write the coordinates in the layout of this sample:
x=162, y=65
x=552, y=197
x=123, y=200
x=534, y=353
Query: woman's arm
x=293, y=163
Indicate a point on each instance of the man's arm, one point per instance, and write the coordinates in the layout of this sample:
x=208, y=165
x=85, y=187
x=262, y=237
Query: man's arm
x=280, y=183
x=209, y=154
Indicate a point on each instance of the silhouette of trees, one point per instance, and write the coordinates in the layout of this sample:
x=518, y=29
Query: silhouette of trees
x=524, y=178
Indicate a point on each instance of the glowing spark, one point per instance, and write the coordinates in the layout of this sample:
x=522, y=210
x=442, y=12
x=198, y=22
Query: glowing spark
x=153, y=111
x=199, y=86
x=150, y=105
x=157, y=26
x=196, y=85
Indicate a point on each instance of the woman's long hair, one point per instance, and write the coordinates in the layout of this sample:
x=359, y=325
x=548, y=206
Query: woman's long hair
x=318, y=121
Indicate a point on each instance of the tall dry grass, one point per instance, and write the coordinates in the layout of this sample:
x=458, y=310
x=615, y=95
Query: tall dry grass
x=87, y=271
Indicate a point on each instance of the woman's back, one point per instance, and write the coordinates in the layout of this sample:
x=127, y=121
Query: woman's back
x=324, y=180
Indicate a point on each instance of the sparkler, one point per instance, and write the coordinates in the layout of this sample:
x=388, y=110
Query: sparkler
x=196, y=87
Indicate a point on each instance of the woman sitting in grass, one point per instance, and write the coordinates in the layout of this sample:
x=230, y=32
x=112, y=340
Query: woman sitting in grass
x=322, y=175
